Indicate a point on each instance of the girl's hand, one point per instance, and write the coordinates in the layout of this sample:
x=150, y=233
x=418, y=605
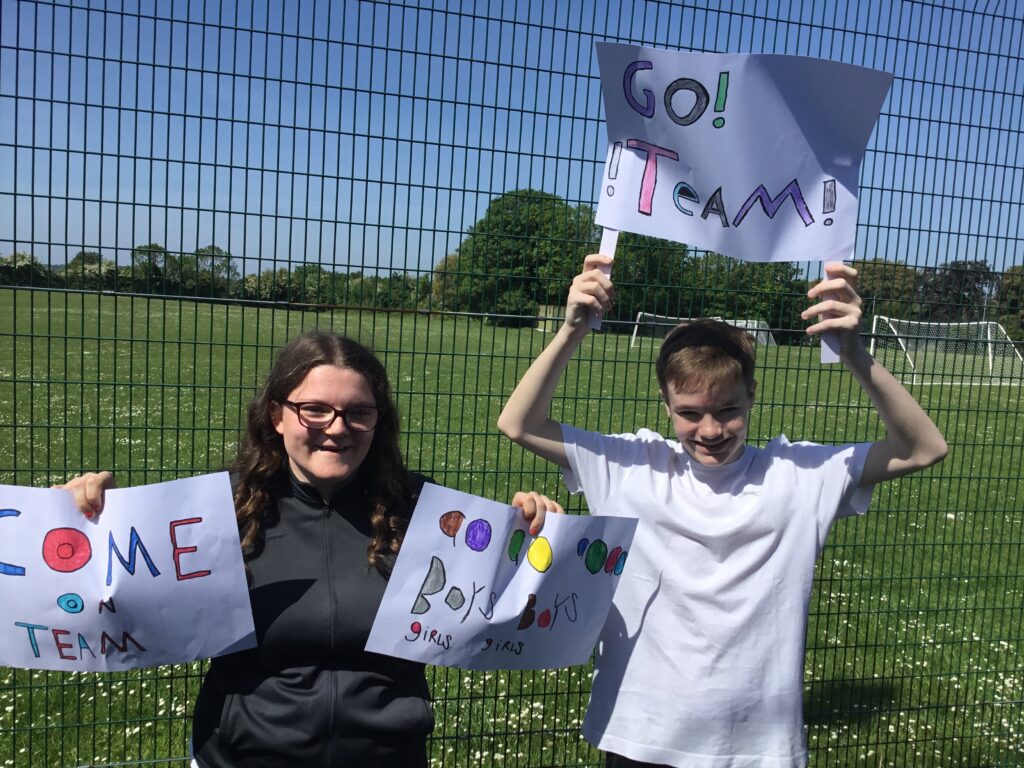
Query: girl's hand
x=535, y=507
x=88, y=491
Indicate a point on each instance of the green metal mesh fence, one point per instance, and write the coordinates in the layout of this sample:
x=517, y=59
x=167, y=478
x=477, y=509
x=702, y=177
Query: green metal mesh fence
x=184, y=185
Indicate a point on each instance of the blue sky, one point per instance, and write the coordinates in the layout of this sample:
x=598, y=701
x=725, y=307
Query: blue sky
x=369, y=135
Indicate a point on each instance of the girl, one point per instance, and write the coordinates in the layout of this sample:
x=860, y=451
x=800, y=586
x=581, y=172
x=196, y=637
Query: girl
x=323, y=499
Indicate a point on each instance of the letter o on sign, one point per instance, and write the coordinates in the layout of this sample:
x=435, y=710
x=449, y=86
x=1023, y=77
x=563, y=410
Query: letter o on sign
x=66, y=549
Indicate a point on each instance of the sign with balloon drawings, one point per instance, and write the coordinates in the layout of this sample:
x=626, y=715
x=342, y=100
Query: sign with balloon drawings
x=473, y=589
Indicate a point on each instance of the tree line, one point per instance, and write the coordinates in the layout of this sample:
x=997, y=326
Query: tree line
x=960, y=290
x=517, y=261
x=212, y=272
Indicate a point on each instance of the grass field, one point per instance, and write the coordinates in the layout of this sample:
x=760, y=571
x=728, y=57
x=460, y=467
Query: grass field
x=915, y=640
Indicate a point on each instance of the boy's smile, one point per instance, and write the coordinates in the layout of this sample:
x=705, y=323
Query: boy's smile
x=711, y=425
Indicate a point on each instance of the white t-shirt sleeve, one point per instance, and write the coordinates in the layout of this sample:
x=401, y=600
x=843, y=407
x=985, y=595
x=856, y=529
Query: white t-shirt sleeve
x=598, y=464
x=856, y=497
x=828, y=477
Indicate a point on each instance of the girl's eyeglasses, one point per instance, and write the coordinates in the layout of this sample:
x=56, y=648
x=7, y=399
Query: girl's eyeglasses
x=359, y=418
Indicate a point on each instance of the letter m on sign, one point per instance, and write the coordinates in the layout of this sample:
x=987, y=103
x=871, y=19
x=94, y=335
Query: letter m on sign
x=771, y=204
x=135, y=545
x=106, y=640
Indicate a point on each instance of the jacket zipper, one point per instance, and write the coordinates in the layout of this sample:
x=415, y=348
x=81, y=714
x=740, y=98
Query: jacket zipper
x=330, y=595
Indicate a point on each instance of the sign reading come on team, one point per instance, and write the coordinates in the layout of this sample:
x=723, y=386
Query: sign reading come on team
x=157, y=578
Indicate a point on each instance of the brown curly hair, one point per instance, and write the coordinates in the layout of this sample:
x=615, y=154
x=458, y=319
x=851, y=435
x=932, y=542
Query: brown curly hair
x=261, y=458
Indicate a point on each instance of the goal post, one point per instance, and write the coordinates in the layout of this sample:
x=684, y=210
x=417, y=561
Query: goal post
x=927, y=352
x=650, y=325
x=758, y=329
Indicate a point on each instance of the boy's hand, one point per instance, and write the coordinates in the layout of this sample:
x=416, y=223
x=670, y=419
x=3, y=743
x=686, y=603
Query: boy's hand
x=88, y=491
x=839, y=305
x=591, y=291
x=535, y=506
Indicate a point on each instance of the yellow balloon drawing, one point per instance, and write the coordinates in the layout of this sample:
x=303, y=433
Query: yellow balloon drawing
x=539, y=554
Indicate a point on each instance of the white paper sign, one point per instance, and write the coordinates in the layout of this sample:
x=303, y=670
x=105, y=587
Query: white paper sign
x=754, y=156
x=157, y=578
x=473, y=589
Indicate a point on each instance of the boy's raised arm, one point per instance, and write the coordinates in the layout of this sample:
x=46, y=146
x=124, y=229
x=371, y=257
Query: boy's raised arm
x=912, y=440
x=526, y=417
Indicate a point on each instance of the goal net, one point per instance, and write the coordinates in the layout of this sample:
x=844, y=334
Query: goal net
x=650, y=325
x=919, y=352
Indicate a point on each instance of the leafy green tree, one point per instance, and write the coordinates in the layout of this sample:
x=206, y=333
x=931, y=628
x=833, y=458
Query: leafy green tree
x=524, y=250
x=1010, y=302
x=650, y=275
x=209, y=271
x=89, y=271
x=572, y=235
x=146, y=273
x=446, y=282
x=83, y=259
x=23, y=269
x=305, y=284
x=268, y=285
x=1010, y=292
x=887, y=287
x=775, y=293
x=400, y=290
x=356, y=289
x=1014, y=327
x=515, y=308
x=312, y=284
x=955, y=292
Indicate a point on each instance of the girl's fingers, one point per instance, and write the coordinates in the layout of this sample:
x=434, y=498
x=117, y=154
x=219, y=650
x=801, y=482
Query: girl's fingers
x=88, y=491
x=535, y=507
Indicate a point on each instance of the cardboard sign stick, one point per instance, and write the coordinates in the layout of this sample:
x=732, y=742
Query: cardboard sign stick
x=829, y=347
x=830, y=339
x=609, y=238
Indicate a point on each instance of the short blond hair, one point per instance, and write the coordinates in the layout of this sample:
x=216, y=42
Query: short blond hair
x=705, y=354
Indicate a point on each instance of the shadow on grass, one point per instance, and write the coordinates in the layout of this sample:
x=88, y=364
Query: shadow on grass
x=848, y=700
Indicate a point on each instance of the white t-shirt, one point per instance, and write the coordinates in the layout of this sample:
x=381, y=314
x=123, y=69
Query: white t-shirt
x=700, y=663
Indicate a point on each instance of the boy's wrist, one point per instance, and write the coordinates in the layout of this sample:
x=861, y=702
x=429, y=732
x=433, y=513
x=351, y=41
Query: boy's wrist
x=572, y=332
x=855, y=355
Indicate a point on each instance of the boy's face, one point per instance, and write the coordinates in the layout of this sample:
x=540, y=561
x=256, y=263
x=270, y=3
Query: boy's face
x=711, y=425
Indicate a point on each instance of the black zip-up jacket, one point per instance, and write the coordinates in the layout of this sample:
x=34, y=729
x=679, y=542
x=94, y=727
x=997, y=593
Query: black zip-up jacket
x=308, y=694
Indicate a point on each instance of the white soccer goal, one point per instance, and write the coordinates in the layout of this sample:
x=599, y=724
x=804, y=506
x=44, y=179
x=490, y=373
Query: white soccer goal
x=918, y=352
x=650, y=325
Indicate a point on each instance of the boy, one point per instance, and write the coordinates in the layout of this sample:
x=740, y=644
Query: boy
x=700, y=664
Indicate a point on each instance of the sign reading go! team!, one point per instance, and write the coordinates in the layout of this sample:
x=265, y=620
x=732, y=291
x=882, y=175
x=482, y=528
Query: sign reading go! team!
x=157, y=578
x=755, y=156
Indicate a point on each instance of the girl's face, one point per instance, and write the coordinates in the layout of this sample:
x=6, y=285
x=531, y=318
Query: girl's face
x=325, y=458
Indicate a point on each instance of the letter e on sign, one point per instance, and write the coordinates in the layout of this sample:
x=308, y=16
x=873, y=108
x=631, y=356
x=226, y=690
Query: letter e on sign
x=179, y=551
